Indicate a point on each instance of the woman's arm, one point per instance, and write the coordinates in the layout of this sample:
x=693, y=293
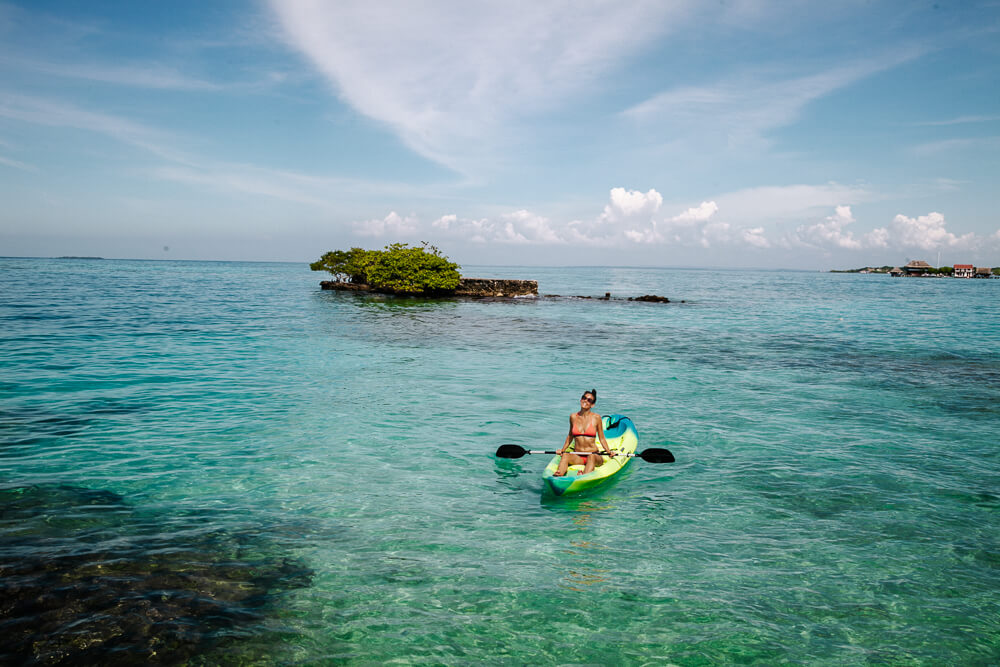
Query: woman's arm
x=600, y=434
x=569, y=436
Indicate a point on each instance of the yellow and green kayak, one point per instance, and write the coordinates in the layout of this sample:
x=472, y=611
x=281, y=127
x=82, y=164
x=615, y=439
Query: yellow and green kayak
x=622, y=438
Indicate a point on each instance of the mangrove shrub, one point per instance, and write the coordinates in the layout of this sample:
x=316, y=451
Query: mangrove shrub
x=349, y=266
x=397, y=268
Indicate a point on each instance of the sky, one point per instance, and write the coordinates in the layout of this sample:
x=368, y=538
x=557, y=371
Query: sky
x=732, y=133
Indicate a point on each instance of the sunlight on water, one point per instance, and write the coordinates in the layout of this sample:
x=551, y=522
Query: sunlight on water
x=309, y=477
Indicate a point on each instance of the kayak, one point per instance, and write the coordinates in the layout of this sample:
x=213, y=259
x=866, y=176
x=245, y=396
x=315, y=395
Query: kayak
x=622, y=437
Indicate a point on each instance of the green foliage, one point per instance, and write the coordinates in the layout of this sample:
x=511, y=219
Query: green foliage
x=346, y=265
x=402, y=269
x=996, y=271
x=397, y=268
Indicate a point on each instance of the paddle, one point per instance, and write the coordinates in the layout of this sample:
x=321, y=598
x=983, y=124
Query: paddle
x=649, y=455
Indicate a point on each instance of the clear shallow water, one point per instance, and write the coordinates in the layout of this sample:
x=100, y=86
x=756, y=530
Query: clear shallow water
x=280, y=474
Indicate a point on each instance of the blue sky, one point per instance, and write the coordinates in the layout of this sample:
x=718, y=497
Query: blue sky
x=734, y=133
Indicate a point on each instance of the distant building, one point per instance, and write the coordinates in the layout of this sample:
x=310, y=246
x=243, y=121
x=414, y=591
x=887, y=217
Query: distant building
x=984, y=272
x=964, y=271
x=917, y=267
x=896, y=272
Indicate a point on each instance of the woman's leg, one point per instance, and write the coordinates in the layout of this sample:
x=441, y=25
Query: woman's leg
x=568, y=459
x=592, y=462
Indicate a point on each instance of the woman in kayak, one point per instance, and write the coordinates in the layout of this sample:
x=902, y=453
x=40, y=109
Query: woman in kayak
x=585, y=429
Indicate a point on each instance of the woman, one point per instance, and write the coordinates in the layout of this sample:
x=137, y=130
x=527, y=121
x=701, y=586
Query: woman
x=584, y=428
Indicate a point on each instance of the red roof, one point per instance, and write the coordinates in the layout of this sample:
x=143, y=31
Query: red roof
x=963, y=266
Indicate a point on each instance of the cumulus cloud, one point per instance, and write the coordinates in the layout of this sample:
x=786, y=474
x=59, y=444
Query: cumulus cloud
x=696, y=226
x=831, y=231
x=699, y=213
x=518, y=227
x=632, y=203
x=791, y=202
x=634, y=217
x=755, y=237
x=926, y=232
x=391, y=225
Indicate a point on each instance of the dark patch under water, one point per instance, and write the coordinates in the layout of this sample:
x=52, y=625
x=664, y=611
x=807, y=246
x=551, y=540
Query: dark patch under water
x=88, y=578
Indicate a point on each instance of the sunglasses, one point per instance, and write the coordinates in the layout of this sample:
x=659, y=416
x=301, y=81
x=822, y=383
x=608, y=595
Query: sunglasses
x=588, y=399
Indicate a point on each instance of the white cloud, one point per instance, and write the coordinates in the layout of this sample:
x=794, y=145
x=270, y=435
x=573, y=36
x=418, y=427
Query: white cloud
x=790, y=202
x=16, y=164
x=527, y=227
x=518, y=227
x=831, y=231
x=151, y=75
x=739, y=111
x=626, y=204
x=630, y=218
x=961, y=120
x=755, y=237
x=696, y=227
x=445, y=222
x=392, y=225
x=926, y=232
x=41, y=111
x=949, y=145
x=448, y=77
x=715, y=233
x=878, y=238
x=700, y=213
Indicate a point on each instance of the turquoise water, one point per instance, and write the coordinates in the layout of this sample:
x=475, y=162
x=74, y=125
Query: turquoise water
x=272, y=473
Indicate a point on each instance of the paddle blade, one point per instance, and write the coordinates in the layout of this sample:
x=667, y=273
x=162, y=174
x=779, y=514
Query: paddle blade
x=511, y=452
x=657, y=456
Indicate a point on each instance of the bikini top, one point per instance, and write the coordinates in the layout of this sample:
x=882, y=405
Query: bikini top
x=588, y=433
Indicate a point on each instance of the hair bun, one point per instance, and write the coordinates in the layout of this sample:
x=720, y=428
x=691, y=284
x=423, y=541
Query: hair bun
x=594, y=392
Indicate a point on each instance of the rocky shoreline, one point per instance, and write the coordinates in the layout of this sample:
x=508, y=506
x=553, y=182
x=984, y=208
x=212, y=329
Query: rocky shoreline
x=490, y=288
x=467, y=287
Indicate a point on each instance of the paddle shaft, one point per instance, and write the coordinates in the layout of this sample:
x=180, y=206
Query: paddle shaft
x=654, y=455
x=537, y=451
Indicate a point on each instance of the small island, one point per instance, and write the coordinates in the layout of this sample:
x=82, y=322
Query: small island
x=413, y=271
x=423, y=271
x=920, y=269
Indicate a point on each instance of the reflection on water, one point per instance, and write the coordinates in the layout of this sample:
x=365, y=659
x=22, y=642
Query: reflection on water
x=585, y=557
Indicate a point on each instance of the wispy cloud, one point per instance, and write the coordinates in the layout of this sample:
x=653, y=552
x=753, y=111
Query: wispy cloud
x=791, y=202
x=961, y=120
x=449, y=77
x=184, y=166
x=948, y=145
x=741, y=109
x=55, y=113
x=16, y=164
x=151, y=76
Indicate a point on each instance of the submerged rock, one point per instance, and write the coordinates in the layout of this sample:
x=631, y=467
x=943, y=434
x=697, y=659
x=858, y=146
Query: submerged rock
x=86, y=578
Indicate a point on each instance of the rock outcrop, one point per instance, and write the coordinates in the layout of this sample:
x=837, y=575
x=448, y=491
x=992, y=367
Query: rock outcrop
x=483, y=287
x=468, y=287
